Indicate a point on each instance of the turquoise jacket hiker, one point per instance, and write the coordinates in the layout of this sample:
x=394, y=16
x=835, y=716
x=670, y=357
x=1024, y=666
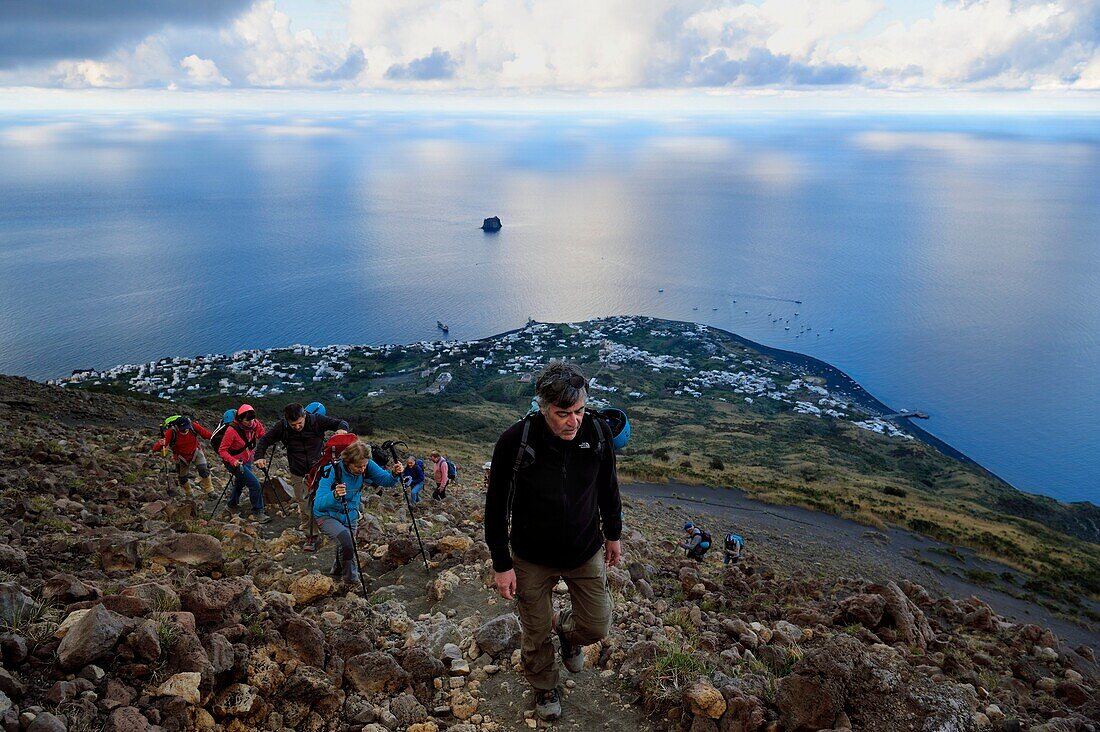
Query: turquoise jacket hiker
x=326, y=505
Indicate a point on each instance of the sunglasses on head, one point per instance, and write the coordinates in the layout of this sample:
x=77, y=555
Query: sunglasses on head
x=574, y=380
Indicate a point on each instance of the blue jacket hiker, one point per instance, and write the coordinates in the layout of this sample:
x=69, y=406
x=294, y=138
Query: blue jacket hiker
x=355, y=468
x=414, y=476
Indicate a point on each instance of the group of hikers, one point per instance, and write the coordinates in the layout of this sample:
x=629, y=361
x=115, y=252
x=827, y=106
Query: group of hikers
x=326, y=489
x=552, y=506
x=698, y=542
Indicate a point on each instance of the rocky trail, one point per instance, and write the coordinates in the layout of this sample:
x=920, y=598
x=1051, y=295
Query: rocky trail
x=124, y=609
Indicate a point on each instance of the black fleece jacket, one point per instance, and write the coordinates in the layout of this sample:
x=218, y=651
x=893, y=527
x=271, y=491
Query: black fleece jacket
x=303, y=448
x=563, y=497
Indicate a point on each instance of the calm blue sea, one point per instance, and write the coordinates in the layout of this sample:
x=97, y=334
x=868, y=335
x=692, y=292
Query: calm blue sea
x=949, y=264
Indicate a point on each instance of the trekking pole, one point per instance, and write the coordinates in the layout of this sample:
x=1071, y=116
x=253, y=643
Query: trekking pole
x=220, y=497
x=267, y=479
x=167, y=480
x=354, y=546
x=391, y=445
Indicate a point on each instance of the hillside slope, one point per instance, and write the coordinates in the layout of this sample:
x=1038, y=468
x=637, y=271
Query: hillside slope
x=173, y=621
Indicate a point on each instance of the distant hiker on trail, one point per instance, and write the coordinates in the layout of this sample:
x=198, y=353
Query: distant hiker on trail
x=554, y=479
x=339, y=490
x=731, y=552
x=414, y=476
x=302, y=433
x=181, y=438
x=442, y=475
x=697, y=543
x=236, y=450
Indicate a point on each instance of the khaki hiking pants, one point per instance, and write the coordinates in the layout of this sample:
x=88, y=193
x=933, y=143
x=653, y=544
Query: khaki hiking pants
x=183, y=467
x=587, y=622
x=306, y=521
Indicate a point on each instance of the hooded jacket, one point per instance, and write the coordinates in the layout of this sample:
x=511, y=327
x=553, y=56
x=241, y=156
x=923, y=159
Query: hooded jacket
x=566, y=500
x=303, y=448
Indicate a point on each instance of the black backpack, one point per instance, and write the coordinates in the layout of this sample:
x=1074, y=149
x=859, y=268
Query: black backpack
x=219, y=434
x=526, y=454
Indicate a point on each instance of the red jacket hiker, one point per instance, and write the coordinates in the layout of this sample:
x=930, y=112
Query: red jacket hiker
x=185, y=443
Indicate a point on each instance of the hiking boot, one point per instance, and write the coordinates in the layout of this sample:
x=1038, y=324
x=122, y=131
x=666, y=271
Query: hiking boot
x=186, y=488
x=547, y=704
x=352, y=577
x=207, y=486
x=261, y=518
x=572, y=658
x=310, y=544
x=230, y=510
x=337, y=567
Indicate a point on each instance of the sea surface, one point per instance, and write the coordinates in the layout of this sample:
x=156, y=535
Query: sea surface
x=949, y=264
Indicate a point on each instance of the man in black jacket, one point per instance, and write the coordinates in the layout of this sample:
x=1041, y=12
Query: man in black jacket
x=553, y=475
x=303, y=435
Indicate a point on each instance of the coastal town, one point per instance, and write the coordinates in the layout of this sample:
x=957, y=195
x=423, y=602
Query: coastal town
x=637, y=358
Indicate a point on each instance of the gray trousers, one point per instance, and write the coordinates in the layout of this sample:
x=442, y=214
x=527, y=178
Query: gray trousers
x=183, y=467
x=587, y=622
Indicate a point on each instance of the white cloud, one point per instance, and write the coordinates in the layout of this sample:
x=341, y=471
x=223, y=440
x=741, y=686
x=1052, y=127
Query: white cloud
x=202, y=71
x=598, y=46
x=89, y=73
x=273, y=55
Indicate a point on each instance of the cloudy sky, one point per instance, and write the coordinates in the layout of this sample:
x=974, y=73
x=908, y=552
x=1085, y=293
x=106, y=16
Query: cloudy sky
x=533, y=48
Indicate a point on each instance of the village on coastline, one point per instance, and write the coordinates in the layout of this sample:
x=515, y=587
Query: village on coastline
x=634, y=353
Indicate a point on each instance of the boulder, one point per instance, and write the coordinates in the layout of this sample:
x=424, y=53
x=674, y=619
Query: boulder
x=67, y=589
x=306, y=640
x=238, y=700
x=220, y=601
x=126, y=719
x=145, y=641
x=408, y=710
x=442, y=585
x=374, y=672
x=864, y=609
x=46, y=722
x=310, y=587
x=184, y=685
x=704, y=700
x=14, y=603
x=403, y=548
x=491, y=224
x=499, y=635
x=455, y=544
x=94, y=635
x=200, y=553
x=120, y=552
x=13, y=559
x=908, y=619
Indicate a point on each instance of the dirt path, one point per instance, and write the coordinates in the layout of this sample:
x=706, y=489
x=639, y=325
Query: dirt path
x=794, y=538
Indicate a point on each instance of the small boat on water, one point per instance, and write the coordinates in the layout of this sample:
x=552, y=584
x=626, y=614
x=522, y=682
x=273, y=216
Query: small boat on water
x=441, y=325
x=660, y=289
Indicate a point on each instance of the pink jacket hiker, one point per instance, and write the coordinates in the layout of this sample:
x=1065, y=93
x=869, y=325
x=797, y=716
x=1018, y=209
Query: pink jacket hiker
x=441, y=473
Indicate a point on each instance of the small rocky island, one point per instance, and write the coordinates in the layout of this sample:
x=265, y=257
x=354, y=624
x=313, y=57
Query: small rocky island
x=491, y=224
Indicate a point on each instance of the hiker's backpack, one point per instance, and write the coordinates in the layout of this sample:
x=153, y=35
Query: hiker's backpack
x=734, y=542
x=330, y=455
x=316, y=408
x=705, y=543
x=168, y=424
x=229, y=421
x=452, y=470
x=607, y=421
